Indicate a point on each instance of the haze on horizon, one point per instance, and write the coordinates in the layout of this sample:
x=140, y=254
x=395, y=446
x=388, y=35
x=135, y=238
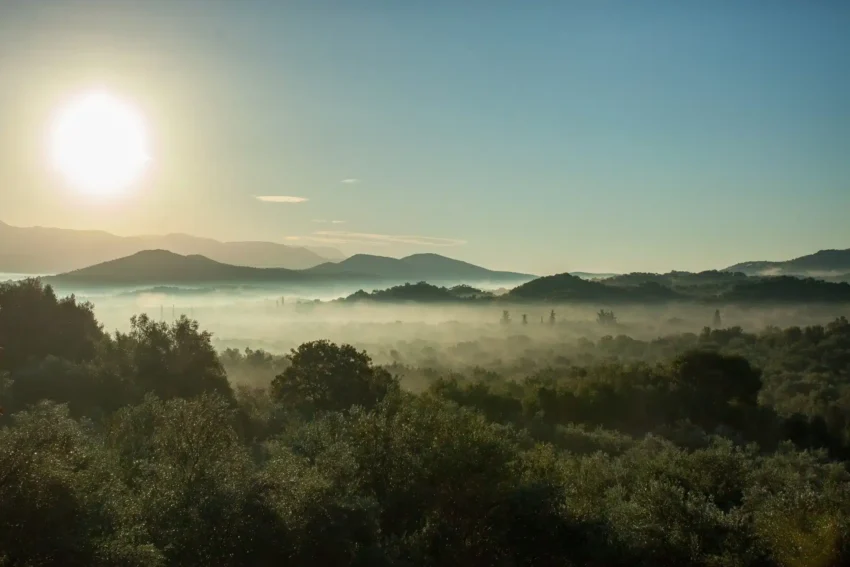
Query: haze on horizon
x=563, y=136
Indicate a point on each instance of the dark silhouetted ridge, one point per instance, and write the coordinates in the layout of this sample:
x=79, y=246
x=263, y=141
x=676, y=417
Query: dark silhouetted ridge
x=822, y=262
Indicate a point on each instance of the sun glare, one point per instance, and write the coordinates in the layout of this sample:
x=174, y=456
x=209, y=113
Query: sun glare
x=99, y=143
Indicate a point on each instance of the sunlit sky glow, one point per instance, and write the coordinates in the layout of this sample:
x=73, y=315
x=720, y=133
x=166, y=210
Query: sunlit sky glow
x=99, y=143
x=544, y=136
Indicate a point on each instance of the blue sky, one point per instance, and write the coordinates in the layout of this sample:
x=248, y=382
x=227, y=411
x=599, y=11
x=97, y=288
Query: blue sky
x=542, y=136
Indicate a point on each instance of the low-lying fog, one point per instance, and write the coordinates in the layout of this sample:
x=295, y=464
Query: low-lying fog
x=266, y=322
x=465, y=334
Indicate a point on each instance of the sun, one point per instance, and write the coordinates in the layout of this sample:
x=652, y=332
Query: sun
x=99, y=143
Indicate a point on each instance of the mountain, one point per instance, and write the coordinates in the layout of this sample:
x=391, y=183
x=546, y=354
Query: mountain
x=824, y=262
x=40, y=250
x=417, y=267
x=155, y=267
x=162, y=267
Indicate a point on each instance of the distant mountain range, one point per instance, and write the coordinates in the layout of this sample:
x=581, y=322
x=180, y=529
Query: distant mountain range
x=39, y=250
x=161, y=267
x=154, y=269
x=822, y=263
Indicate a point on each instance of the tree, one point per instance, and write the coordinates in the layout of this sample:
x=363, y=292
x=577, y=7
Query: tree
x=170, y=360
x=718, y=322
x=61, y=503
x=524, y=319
x=712, y=388
x=35, y=324
x=189, y=476
x=506, y=317
x=324, y=376
x=552, y=317
x=604, y=317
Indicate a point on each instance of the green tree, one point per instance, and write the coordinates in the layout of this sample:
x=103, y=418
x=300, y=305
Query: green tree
x=176, y=360
x=35, y=324
x=189, y=476
x=324, y=376
x=713, y=388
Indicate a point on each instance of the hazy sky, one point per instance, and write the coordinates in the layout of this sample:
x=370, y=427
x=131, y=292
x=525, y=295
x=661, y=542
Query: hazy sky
x=541, y=136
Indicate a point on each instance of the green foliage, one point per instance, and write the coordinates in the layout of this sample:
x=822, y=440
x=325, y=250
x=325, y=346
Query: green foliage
x=35, y=324
x=421, y=292
x=323, y=376
x=188, y=474
x=59, y=500
x=723, y=448
x=176, y=360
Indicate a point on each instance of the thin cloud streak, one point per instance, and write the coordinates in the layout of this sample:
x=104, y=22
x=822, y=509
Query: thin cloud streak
x=280, y=199
x=350, y=181
x=329, y=240
x=365, y=237
x=324, y=221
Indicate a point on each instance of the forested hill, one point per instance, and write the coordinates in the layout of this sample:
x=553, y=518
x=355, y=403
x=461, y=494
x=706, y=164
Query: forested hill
x=823, y=262
x=634, y=288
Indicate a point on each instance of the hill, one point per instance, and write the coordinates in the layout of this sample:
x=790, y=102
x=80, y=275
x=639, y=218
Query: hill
x=712, y=283
x=420, y=292
x=40, y=250
x=567, y=287
x=162, y=267
x=706, y=287
x=153, y=267
x=788, y=289
x=418, y=267
x=824, y=262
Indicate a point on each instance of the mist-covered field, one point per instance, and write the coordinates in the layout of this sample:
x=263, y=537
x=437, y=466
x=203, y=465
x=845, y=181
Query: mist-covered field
x=399, y=332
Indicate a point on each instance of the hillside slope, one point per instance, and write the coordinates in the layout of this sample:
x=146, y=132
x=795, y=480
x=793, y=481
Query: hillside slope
x=823, y=262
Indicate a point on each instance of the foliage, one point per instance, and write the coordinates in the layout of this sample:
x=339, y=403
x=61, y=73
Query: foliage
x=323, y=376
x=721, y=448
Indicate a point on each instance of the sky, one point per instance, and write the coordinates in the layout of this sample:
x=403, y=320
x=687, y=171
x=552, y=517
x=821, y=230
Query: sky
x=542, y=137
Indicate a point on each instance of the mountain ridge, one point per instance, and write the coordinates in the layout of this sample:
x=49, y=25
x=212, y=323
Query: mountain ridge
x=416, y=267
x=159, y=267
x=48, y=250
x=829, y=261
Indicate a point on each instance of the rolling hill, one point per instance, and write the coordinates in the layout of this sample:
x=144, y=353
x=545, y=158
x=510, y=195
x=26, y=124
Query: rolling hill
x=567, y=287
x=40, y=250
x=824, y=262
x=712, y=288
x=417, y=267
x=162, y=267
x=157, y=267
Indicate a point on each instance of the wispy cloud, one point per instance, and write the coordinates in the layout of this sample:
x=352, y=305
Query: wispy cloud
x=324, y=221
x=370, y=238
x=322, y=239
x=350, y=181
x=280, y=199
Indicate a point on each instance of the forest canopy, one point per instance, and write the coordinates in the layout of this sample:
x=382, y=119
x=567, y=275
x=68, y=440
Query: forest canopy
x=148, y=447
